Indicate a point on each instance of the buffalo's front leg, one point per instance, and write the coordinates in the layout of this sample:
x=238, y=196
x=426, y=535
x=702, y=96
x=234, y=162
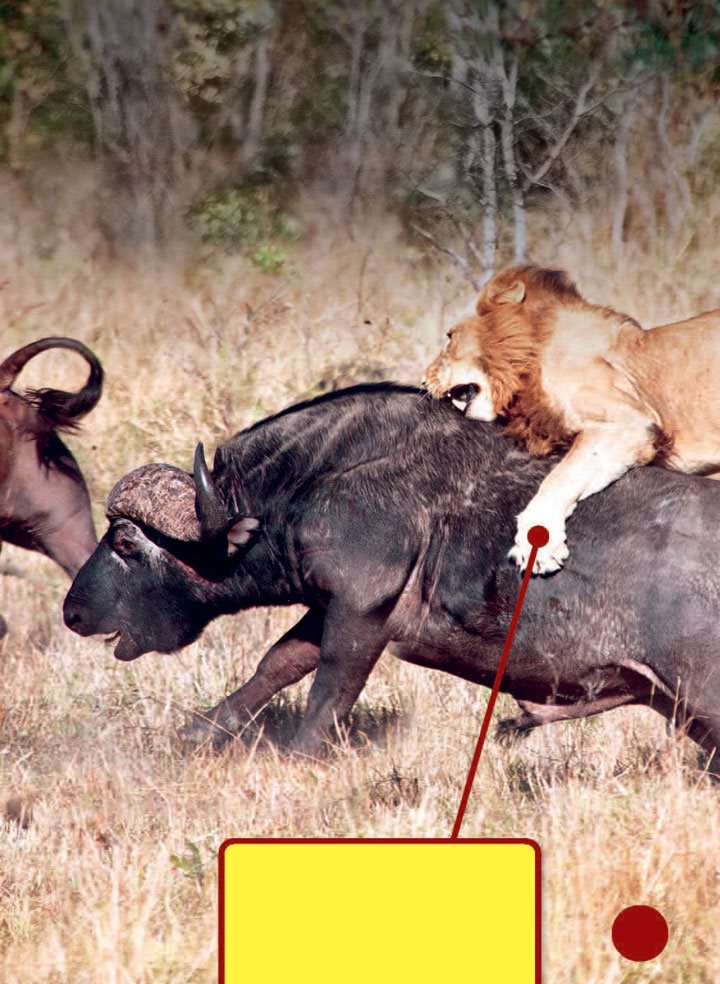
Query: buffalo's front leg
x=350, y=648
x=291, y=658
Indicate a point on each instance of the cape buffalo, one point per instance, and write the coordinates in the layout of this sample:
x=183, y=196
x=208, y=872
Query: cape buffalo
x=44, y=502
x=390, y=517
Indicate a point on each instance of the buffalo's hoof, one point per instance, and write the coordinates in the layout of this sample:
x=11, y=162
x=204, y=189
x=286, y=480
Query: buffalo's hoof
x=509, y=731
x=313, y=748
x=201, y=734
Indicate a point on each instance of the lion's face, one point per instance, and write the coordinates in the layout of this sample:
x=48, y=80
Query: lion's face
x=493, y=362
x=457, y=373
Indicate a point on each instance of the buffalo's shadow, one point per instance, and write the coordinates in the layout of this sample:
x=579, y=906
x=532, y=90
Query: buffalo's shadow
x=277, y=724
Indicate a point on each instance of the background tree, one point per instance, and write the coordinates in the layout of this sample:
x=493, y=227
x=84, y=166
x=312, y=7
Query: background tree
x=467, y=116
x=141, y=131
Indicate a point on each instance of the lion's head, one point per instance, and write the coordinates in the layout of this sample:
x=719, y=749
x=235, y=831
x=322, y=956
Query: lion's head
x=490, y=366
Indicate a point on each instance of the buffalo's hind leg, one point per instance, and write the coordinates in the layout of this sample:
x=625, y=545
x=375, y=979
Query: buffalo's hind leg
x=699, y=720
x=351, y=646
x=291, y=658
x=536, y=715
x=707, y=735
x=695, y=710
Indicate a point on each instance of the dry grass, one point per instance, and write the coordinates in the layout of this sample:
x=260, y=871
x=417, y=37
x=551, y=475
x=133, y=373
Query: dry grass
x=104, y=800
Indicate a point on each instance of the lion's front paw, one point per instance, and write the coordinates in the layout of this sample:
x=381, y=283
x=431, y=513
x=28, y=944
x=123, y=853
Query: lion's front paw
x=550, y=557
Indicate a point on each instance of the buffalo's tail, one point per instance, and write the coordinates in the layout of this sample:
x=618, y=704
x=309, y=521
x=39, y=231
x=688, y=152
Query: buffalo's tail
x=62, y=410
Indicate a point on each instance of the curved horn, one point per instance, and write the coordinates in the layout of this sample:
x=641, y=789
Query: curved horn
x=63, y=408
x=209, y=506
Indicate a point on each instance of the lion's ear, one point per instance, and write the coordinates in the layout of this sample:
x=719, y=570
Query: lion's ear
x=513, y=293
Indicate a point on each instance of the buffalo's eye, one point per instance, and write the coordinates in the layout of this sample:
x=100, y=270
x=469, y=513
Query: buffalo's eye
x=125, y=546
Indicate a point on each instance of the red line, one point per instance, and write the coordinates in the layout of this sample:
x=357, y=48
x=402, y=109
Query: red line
x=493, y=696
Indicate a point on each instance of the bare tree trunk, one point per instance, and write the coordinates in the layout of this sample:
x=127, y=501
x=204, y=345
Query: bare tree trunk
x=620, y=154
x=698, y=131
x=357, y=108
x=398, y=25
x=676, y=189
x=507, y=139
x=256, y=118
x=669, y=189
x=379, y=40
x=478, y=67
x=356, y=43
x=16, y=128
x=141, y=134
x=490, y=202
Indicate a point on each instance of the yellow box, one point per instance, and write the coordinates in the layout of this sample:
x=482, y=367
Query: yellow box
x=379, y=911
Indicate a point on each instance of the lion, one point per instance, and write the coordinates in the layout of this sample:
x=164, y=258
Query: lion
x=564, y=374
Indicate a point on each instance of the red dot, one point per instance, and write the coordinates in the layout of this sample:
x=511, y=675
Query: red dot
x=538, y=536
x=640, y=933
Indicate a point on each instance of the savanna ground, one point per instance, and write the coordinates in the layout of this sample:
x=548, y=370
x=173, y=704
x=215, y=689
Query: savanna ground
x=109, y=845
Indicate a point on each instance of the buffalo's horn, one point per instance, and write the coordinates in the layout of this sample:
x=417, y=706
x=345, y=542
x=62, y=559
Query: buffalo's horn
x=209, y=506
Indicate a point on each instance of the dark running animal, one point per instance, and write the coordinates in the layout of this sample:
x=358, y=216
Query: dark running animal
x=390, y=517
x=44, y=502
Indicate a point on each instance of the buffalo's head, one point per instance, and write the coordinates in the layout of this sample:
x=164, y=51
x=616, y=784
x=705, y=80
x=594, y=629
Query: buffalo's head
x=156, y=578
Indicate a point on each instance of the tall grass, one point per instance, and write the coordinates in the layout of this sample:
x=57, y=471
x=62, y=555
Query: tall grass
x=108, y=848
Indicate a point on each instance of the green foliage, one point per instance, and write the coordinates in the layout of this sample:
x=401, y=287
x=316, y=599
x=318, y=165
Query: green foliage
x=38, y=96
x=432, y=51
x=231, y=219
x=245, y=219
x=269, y=258
x=215, y=34
x=674, y=36
x=190, y=864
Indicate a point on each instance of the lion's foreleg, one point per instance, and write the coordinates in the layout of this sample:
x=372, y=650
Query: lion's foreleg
x=599, y=456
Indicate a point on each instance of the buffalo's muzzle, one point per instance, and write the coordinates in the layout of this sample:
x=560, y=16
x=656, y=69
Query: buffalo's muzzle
x=73, y=619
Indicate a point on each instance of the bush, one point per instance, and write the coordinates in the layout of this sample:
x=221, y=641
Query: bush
x=231, y=219
x=244, y=220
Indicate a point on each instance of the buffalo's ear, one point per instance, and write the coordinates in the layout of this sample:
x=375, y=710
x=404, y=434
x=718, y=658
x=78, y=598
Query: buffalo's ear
x=240, y=532
x=495, y=295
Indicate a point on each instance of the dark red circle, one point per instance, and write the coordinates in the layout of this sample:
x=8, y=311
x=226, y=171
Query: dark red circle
x=538, y=536
x=640, y=933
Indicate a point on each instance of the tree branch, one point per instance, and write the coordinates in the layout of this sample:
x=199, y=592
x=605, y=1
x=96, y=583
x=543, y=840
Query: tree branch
x=459, y=261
